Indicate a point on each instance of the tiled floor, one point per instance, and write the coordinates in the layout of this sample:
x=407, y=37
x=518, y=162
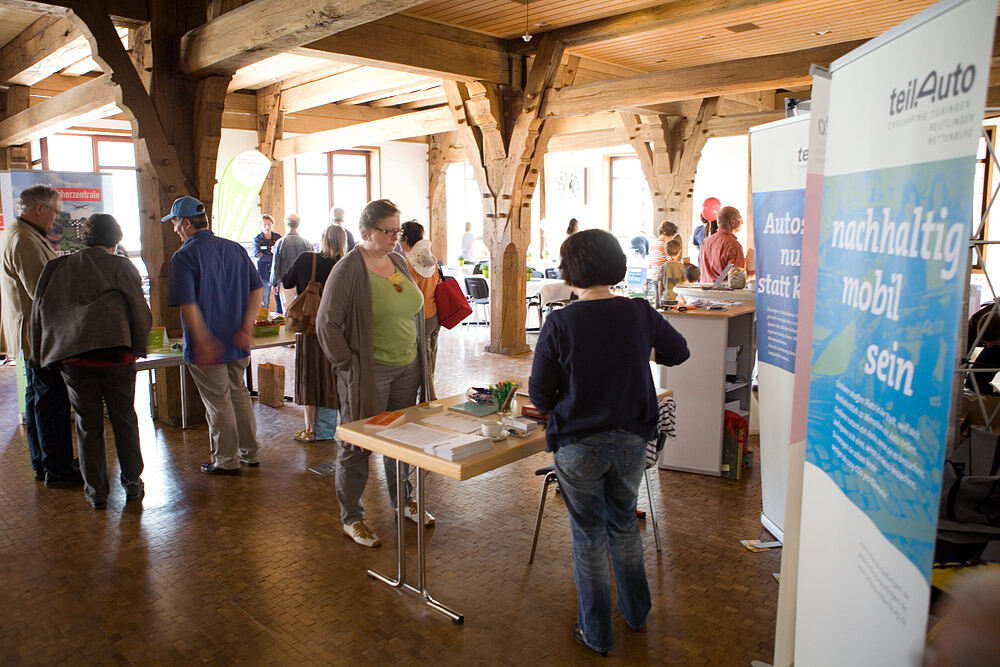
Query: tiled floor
x=255, y=570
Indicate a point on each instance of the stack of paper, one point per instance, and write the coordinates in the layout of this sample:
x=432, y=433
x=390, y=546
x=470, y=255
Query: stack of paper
x=446, y=444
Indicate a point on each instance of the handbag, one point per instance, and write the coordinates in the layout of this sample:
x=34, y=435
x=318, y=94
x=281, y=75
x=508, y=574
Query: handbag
x=452, y=305
x=300, y=315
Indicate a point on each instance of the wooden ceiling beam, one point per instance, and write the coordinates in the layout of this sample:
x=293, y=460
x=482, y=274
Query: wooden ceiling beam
x=94, y=99
x=726, y=78
x=123, y=12
x=281, y=68
x=341, y=87
x=421, y=47
x=264, y=28
x=667, y=15
x=47, y=46
x=419, y=85
x=739, y=124
x=416, y=124
x=422, y=95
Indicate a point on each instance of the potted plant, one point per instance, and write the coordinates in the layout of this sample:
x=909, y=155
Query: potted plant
x=461, y=260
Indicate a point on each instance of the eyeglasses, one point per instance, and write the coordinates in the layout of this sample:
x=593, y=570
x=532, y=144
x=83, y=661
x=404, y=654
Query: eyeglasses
x=391, y=233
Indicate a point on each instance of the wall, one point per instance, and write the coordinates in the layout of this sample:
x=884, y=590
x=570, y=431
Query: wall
x=404, y=178
x=723, y=173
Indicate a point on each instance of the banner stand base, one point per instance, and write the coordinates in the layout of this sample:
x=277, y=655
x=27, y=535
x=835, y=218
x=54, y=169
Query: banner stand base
x=770, y=527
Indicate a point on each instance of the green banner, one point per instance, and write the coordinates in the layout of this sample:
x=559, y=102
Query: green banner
x=237, y=191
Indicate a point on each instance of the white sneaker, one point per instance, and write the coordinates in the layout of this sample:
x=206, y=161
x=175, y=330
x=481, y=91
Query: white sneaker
x=410, y=512
x=361, y=534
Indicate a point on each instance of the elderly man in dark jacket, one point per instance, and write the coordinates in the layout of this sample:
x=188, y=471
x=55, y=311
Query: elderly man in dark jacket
x=91, y=321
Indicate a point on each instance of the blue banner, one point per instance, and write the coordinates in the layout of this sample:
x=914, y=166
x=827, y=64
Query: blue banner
x=778, y=250
x=893, y=255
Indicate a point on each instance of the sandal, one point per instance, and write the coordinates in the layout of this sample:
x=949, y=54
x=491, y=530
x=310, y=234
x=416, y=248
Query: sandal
x=305, y=436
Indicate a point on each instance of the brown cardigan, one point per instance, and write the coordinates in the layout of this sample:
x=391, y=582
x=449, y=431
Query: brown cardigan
x=345, y=326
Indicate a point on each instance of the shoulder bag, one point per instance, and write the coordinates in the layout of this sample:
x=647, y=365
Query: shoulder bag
x=300, y=315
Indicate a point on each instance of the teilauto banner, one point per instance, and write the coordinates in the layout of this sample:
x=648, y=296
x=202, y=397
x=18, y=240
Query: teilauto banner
x=778, y=155
x=905, y=116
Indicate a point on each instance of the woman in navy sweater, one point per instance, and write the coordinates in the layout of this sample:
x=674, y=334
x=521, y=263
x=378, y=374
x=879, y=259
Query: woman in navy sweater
x=591, y=375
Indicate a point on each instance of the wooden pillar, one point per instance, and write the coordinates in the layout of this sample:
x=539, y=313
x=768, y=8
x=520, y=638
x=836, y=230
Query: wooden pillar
x=668, y=148
x=438, y=149
x=176, y=125
x=16, y=157
x=505, y=151
x=270, y=123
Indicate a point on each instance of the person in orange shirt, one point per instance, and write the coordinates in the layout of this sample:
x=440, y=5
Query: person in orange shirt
x=722, y=248
x=424, y=269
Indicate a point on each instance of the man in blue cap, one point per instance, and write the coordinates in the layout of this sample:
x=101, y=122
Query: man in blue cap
x=218, y=290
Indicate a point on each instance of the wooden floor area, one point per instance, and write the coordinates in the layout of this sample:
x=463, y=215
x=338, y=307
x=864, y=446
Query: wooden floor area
x=255, y=569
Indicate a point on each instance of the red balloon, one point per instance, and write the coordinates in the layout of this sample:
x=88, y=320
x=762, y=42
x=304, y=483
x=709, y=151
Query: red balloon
x=710, y=209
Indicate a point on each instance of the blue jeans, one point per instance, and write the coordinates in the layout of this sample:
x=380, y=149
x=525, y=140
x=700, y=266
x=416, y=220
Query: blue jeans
x=599, y=478
x=50, y=439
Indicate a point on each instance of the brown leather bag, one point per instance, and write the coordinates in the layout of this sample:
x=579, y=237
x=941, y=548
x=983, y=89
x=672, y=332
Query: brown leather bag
x=300, y=315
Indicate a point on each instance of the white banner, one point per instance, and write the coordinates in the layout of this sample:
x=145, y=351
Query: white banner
x=904, y=123
x=778, y=155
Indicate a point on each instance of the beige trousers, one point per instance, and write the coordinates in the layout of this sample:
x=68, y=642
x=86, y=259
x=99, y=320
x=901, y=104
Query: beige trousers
x=232, y=425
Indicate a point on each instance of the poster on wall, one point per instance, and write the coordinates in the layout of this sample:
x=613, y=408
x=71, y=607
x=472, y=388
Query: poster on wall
x=81, y=195
x=778, y=155
x=904, y=118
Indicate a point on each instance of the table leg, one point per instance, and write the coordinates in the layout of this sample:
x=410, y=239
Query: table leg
x=400, y=581
x=455, y=617
x=184, y=394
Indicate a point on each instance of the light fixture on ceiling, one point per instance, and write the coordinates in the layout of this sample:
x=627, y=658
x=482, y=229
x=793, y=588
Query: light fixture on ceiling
x=527, y=26
x=705, y=36
x=820, y=33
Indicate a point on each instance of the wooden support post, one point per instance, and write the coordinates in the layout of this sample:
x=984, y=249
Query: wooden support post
x=505, y=150
x=680, y=184
x=437, y=167
x=176, y=124
x=17, y=156
x=270, y=122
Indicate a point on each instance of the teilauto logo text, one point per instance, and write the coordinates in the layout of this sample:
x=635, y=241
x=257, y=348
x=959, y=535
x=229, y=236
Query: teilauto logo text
x=934, y=87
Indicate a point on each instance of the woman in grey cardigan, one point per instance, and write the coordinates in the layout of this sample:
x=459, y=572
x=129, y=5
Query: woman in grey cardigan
x=371, y=327
x=91, y=322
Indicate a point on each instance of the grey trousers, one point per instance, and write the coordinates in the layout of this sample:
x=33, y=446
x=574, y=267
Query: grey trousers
x=432, y=327
x=232, y=425
x=89, y=388
x=395, y=388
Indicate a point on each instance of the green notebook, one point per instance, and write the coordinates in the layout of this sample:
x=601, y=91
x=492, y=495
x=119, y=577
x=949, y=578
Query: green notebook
x=475, y=409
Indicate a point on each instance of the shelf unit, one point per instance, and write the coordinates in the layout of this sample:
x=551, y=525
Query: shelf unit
x=701, y=387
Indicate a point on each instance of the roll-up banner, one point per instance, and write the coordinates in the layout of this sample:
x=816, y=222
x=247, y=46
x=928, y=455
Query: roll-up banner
x=784, y=634
x=905, y=116
x=237, y=193
x=778, y=154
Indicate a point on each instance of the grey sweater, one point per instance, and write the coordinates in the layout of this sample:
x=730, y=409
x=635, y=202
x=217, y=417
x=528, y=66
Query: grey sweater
x=86, y=301
x=345, y=327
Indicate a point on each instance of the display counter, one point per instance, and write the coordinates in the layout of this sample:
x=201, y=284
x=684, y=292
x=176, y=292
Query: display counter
x=700, y=385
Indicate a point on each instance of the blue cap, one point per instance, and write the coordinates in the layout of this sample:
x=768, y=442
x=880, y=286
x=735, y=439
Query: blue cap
x=184, y=207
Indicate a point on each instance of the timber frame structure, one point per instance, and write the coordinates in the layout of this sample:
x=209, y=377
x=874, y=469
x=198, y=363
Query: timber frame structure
x=321, y=75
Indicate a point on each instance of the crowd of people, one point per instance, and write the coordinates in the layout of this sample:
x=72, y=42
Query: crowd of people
x=373, y=350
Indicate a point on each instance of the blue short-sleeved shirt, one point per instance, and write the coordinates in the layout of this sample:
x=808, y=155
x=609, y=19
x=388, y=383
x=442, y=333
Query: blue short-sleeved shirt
x=216, y=274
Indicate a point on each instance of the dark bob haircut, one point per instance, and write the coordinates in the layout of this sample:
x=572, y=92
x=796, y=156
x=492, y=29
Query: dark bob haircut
x=412, y=231
x=100, y=229
x=592, y=257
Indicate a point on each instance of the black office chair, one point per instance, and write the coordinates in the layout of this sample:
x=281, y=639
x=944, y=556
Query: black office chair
x=535, y=275
x=552, y=274
x=479, y=295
